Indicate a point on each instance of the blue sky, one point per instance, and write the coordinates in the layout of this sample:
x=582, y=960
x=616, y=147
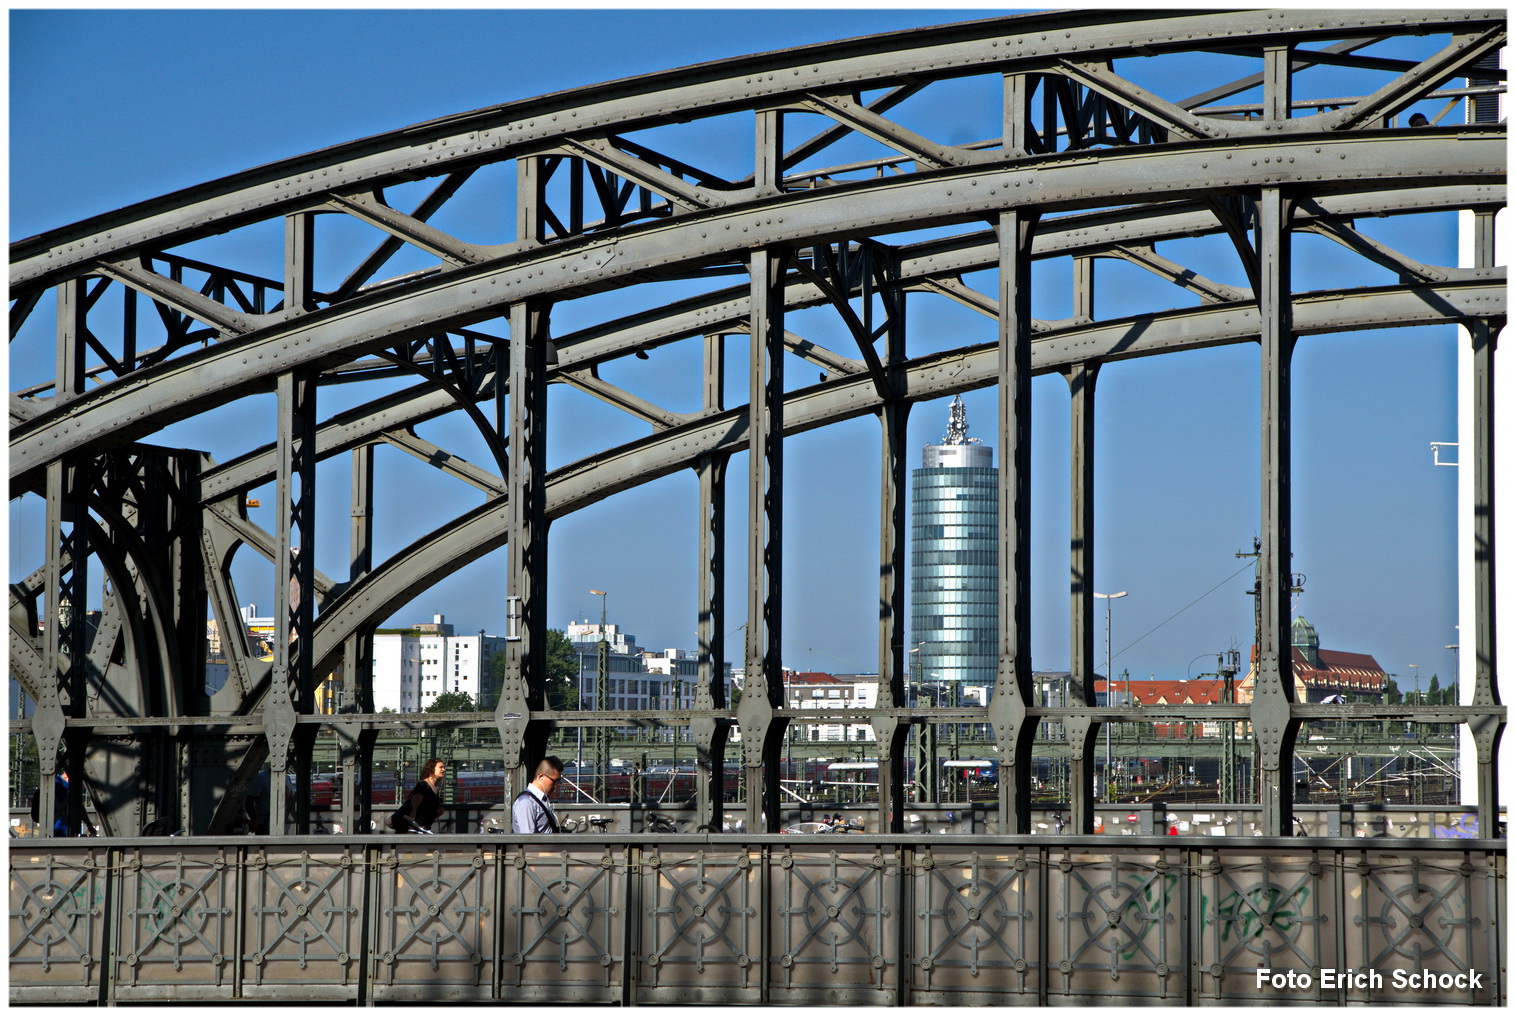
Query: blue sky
x=112, y=107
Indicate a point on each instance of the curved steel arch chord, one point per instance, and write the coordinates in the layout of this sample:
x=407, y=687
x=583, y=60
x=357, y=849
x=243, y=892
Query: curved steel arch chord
x=726, y=310
x=122, y=411
x=1017, y=44
x=479, y=532
x=569, y=488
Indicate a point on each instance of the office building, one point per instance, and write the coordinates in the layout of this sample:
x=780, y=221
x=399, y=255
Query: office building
x=955, y=567
x=413, y=666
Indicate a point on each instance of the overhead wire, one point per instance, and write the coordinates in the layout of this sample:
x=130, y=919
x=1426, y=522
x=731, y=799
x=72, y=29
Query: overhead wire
x=1182, y=609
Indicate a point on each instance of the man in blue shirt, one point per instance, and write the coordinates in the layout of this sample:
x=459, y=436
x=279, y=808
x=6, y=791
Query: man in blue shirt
x=531, y=813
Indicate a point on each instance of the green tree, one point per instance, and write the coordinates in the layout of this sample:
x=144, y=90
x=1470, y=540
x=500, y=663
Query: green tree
x=562, y=672
x=452, y=702
x=1392, y=694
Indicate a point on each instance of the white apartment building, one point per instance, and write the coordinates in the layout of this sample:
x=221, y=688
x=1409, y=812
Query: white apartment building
x=638, y=679
x=412, y=667
x=813, y=690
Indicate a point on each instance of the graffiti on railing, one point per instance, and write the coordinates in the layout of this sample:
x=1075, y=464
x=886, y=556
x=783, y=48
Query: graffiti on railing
x=1125, y=915
x=1250, y=912
x=1458, y=827
x=1150, y=903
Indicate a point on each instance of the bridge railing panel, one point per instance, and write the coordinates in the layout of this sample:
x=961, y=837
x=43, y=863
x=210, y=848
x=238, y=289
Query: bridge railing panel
x=57, y=922
x=771, y=919
x=1253, y=911
x=978, y=921
x=835, y=936
x=1116, y=927
x=565, y=918
x=177, y=922
x=1425, y=919
x=436, y=922
x=303, y=920
x=702, y=933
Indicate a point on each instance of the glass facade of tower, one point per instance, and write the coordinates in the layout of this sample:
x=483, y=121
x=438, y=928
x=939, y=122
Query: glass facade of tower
x=955, y=565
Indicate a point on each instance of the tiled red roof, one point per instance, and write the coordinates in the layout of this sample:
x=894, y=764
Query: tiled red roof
x=811, y=677
x=1157, y=693
x=1335, y=658
x=1339, y=669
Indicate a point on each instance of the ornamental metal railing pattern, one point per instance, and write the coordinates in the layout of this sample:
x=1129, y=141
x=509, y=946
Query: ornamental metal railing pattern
x=790, y=920
x=123, y=325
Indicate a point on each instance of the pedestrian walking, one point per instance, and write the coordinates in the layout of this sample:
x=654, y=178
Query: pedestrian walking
x=531, y=812
x=424, y=803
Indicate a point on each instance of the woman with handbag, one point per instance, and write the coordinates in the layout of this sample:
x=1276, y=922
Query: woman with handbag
x=423, y=804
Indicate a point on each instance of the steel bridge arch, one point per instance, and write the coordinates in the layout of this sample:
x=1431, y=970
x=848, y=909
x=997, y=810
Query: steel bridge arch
x=1091, y=164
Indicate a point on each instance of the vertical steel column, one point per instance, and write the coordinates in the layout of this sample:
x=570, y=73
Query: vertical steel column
x=292, y=684
x=357, y=690
x=299, y=262
x=763, y=689
x=172, y=481
x=523, y=686
x=1081, y=733
x=1014, y=729
x=1486, y=731
x=889, y=732
x=355, y=693
x=1277, y=82
x=1084, y=290
x=291, y=687
x=709, y=730
x=1016, y=100
x=61, y=694
x=524, y=691
x=529, y=200
x=1274, y=687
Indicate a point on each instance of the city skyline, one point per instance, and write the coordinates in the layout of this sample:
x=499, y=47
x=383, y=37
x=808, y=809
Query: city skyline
x=1177, y=476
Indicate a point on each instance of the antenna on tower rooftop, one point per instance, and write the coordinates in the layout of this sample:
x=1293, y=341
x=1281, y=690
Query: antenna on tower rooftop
x=958, y=425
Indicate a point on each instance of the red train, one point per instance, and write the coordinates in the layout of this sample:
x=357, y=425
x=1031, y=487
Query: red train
x=326, y=789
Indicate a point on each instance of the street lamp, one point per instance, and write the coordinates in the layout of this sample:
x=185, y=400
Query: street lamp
x=602, y=703
x=1416, y=676
x=1110, y=693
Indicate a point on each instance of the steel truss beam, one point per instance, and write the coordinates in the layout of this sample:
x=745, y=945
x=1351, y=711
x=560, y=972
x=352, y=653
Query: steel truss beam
x=1334, y=163
x=1090, y=165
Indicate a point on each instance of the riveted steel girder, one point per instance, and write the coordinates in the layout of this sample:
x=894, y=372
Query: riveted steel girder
x=124, y=411
x=1093, y=164
x=1025, y=44
x=570, y=488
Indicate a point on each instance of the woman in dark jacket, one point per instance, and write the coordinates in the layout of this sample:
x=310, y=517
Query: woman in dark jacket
x=424, y=804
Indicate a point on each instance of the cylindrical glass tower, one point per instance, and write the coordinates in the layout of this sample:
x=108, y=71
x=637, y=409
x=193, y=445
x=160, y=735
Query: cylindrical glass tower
x=955, y=565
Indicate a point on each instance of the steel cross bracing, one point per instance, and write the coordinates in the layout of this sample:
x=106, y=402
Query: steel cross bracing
x=147, y=329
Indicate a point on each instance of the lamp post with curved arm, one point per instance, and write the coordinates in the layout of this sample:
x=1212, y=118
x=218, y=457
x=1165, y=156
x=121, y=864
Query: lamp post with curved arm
x=602, y=704
x=1110, y=695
